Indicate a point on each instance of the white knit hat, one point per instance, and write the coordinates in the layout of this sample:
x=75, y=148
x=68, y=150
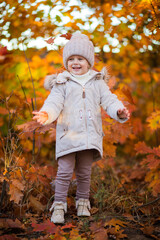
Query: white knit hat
x=79, y=44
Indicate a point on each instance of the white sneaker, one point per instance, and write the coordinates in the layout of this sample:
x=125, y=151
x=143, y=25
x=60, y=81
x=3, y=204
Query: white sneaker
x=83, y=207
x=58, y=214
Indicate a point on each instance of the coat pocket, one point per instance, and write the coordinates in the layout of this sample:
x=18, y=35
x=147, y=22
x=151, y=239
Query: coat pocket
x=63, y=132
x=97, y=122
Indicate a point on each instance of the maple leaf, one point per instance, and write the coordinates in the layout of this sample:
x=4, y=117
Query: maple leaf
x=137, y=174
x=47, y=226
x=70, y=225
x=35, y=126
x=50, y=40
x=29, y=126
x=152, y=161
x=142, y=148
x=67, y=36
x=114, y=222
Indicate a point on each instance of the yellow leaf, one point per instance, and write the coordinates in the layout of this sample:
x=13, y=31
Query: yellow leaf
x=154, y=120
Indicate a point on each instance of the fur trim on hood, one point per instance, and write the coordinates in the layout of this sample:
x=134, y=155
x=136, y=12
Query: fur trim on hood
x=63, y=77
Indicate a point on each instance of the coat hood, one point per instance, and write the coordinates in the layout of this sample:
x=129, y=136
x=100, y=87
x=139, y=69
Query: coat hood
x=63, y=77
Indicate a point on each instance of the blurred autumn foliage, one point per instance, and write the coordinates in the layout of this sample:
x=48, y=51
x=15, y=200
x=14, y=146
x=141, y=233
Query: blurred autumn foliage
x=125, y=185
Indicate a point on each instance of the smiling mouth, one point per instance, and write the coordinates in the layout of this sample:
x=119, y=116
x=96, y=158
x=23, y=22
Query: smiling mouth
x=76, y=67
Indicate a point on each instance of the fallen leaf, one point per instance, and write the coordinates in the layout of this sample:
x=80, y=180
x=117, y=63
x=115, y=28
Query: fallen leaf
x=9, y=223
x=70, y=225
x=15, y=192
x=9, y=237
x=35, y=204
x=114, y=222
x=148, y=230
x=47, y=226
x=99, y=231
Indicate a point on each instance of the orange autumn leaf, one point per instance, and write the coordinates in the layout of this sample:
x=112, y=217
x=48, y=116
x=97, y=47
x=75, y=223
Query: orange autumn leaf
x=127, y=92
x=152, y=161
x=36, y=204
x=98, y=231
x=47, y=226
x=67, y=36
x=50, y=40
x=9, y=223
x=114, y=222
x=15, y=191
x=35, y=126
x=142, y=148
x=74, y=234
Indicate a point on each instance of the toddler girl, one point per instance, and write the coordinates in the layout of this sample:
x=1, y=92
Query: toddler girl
x=76, y=98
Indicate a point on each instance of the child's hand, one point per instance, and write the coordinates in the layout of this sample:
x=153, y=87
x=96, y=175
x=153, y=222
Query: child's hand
x=40, y=117
x=123, y=113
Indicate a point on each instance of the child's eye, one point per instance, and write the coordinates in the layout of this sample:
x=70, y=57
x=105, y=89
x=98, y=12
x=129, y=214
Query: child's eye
x=70, y=59
x=80, y=59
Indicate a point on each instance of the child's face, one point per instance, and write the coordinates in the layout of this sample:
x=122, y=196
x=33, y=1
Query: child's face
x=77, y=65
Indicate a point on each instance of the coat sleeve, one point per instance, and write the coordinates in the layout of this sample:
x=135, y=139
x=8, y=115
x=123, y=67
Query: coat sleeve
x=53, y=105
x=110, y=102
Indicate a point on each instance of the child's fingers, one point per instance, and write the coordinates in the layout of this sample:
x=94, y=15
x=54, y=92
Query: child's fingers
x=119, y=111
x=39, y=113
x=126, y=113
x=40, y=117
x=40, y=121
x=35, y=117
x=123, y=113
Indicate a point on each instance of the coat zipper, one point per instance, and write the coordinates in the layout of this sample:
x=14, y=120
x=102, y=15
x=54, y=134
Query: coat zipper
x=84, y=96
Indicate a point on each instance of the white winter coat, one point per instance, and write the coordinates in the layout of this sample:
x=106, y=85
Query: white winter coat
x=78, y=111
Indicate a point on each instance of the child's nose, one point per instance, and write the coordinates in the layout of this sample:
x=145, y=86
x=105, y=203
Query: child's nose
x=75, y=60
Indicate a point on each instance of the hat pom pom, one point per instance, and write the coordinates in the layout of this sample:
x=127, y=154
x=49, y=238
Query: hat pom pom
x=80, y=35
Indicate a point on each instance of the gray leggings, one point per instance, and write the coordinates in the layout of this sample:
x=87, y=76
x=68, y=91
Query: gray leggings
x=81, y=162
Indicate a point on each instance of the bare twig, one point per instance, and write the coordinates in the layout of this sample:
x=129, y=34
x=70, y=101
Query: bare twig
x=24, y=95
x=33, y=107
x=33, y=147
x=149, y=203
x=31, y=78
